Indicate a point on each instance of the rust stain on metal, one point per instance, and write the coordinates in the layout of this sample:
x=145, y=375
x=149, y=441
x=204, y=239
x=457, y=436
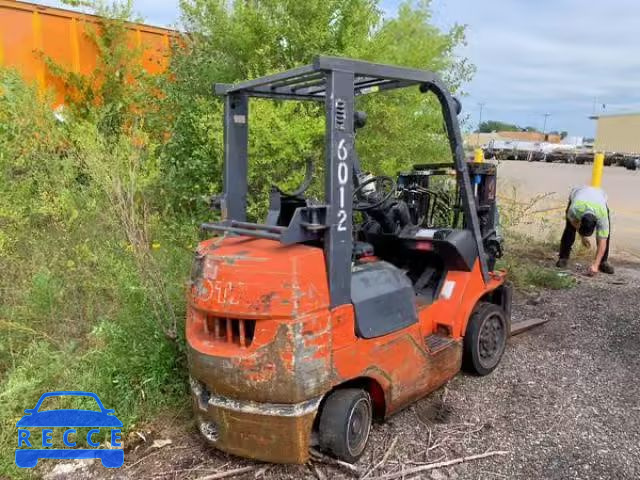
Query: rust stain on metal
x=244, y=425
x=265, y=301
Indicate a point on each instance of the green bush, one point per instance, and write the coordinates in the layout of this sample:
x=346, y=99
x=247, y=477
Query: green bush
x=87, y=302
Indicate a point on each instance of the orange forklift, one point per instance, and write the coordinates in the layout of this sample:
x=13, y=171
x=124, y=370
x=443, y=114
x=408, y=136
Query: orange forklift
x=304, y=329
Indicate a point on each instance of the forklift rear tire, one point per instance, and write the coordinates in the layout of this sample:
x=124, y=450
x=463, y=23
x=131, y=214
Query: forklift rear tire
x=485, y=340
x=345, y=423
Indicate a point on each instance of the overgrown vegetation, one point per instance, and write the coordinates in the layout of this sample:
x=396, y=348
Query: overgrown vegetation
x=99, y=212
x=527, y=255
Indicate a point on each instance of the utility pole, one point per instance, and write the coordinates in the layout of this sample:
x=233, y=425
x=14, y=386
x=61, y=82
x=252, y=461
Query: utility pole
x=480, y=121
x=544, y=128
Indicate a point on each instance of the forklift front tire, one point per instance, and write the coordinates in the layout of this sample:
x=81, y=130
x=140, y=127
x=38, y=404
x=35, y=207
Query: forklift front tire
x=345, y=423
x=485, y=339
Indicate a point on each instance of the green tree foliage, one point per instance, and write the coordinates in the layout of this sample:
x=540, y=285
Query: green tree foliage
x=230, y=42
x=118, y=95
x=563, y=134
x=86, y=303
x=497, y=126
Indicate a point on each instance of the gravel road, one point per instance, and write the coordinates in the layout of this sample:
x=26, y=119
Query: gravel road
x=564, y=404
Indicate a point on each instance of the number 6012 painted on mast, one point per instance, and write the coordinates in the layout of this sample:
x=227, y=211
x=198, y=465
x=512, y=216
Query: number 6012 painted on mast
x=343, y=178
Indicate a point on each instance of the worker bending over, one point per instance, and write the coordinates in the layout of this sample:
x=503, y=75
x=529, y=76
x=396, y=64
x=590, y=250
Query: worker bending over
x=587, y=212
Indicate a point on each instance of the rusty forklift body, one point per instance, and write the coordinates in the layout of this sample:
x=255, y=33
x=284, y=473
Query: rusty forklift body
x=303, y=329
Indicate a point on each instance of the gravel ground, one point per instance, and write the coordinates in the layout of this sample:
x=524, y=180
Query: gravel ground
x=564, y=404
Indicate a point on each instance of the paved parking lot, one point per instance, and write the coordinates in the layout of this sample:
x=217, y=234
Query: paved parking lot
x=536, y=178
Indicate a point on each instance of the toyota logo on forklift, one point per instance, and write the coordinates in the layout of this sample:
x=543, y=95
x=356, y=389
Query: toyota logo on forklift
x=338, y=320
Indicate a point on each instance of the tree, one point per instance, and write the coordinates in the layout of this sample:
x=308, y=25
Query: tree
x=497, y=126
x=233, y=41
x=563, y=134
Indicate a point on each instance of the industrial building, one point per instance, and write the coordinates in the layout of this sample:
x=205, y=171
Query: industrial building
x=617, y=133
x=531, y=137
x=474, y=140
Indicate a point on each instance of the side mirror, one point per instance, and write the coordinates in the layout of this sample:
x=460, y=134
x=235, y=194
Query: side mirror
x=359, y=119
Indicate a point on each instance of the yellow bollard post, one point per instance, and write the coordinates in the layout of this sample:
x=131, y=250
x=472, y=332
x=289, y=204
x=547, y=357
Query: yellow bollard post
x=598, y=166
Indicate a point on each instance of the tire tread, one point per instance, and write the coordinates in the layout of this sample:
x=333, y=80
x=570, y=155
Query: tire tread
x=332, y=428
x=470, y=362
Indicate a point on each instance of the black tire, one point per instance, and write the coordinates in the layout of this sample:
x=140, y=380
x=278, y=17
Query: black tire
x=485, y=339
x=345, y=423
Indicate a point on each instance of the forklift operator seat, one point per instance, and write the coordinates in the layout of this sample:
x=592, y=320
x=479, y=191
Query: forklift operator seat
x=456, y=247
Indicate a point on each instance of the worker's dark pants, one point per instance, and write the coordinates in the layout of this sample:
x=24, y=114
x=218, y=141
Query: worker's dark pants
x=569, y=237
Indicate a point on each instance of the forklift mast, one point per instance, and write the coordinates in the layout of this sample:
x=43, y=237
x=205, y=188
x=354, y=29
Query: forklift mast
x=336, y=82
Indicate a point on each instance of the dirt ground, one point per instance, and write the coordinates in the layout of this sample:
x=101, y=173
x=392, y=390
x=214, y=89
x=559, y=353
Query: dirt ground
x=564, y=404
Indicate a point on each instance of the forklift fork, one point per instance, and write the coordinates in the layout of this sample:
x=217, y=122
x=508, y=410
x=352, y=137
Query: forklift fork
x=524, y=325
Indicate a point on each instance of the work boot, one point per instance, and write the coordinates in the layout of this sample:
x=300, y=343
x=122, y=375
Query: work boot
x=605, y=267
x=562, y=262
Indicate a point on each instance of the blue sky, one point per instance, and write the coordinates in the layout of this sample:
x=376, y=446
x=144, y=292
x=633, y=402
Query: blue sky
x=567, y=58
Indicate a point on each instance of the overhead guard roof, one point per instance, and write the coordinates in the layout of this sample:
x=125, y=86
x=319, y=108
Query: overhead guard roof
x=309, y=81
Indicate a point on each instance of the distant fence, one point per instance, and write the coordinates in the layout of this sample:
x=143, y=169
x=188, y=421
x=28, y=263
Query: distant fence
x=31, y=32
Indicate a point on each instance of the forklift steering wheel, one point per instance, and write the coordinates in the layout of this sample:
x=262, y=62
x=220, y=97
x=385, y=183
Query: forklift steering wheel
x=364, y=202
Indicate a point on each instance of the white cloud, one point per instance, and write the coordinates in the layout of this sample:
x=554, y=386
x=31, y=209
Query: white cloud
x=532, y=57
x=165, y=13
x=557, y=57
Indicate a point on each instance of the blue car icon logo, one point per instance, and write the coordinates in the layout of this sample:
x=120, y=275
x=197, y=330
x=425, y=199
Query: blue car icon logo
x=31, y=448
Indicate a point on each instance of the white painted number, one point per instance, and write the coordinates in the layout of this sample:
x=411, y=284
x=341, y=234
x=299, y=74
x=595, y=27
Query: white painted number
x=342, y=151
x=343, y=173
x=225, y=292
x=342, y=220
x=343, y=179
